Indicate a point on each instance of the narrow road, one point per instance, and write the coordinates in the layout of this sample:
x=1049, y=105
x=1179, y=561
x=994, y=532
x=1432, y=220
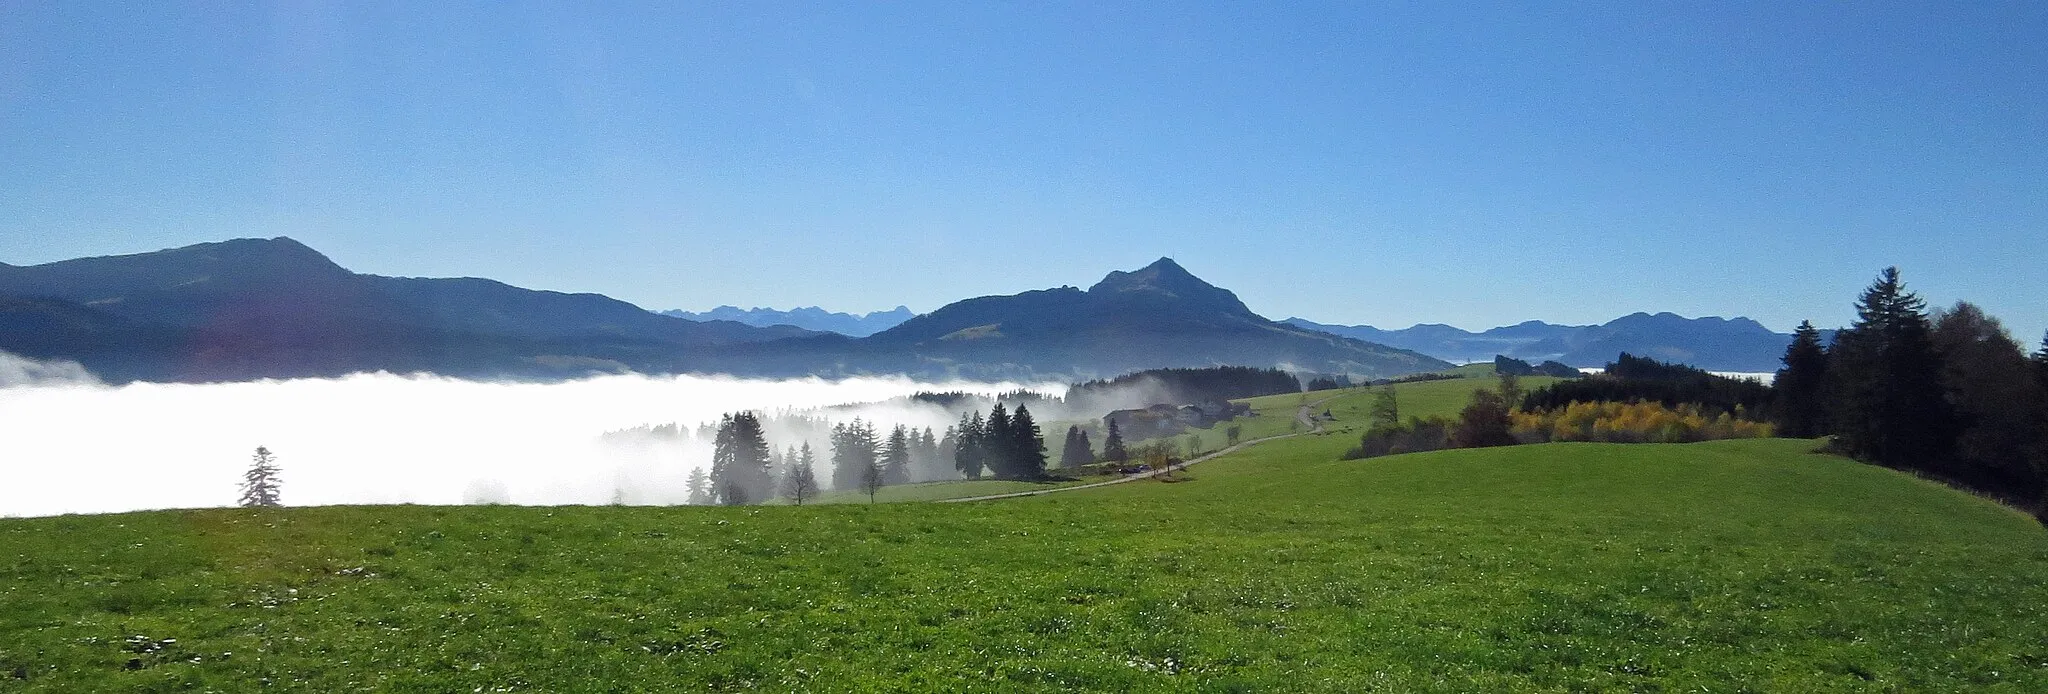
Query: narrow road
x=1305, y=415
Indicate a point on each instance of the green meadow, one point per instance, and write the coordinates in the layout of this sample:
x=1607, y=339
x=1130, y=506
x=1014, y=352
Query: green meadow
x=1725, y=566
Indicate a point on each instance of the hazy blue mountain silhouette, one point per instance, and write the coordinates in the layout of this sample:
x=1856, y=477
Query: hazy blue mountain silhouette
x=1157, y=316
x=254, y=308
x=808, y=318
x=1719, y=344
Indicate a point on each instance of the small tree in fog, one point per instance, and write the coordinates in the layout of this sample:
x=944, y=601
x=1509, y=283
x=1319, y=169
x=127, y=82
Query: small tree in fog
x=872, y=479
x=699, y=485
x=260, y=483
x=801, y=482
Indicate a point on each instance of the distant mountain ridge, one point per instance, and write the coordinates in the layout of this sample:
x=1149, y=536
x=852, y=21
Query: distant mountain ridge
x=807, y=317
x=1157, y=316
x=274, y=308
x=267, y=308
x=1711, y=342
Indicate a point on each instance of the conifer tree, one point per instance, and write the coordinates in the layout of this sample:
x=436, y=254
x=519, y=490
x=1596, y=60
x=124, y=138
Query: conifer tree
x=1113, y=445
x=970, y=456
x=739, y=461
x=1801, y=407
x=699, y=486
x=997, y=442
x=1086, y=450
x=854, y=450
x=1027, y=446
x=800, y=482
x=260, y=483
x=2041, y=361
x=1068, y=451
x=1888, y=404
x=896, y=456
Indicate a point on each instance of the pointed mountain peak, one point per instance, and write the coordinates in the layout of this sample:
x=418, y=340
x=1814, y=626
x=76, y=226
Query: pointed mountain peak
x=1167, y=279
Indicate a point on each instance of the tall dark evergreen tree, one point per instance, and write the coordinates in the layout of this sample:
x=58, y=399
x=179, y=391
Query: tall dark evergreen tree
x=1085, y=449
x=1113, y=445
x=1888, y=402
x=1069, y=453
x=854, y=450
x=739, y=461
x=997, y=442
x=260, y=483
x=2041, y=361
x=1027, y=446
x=970, y=456
x=896, y=456
x=1801, y=407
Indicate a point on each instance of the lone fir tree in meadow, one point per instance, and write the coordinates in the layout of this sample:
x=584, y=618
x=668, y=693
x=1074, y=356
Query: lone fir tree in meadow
x=260, y=484
x=1800, y=387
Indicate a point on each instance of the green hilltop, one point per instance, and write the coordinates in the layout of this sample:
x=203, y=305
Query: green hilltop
x=1739, y=565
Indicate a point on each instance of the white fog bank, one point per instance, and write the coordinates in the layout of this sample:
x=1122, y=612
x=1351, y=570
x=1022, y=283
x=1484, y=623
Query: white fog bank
x=71, y=445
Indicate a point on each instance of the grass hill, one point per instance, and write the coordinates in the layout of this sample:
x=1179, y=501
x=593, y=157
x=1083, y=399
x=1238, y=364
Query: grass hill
x=1733, y=565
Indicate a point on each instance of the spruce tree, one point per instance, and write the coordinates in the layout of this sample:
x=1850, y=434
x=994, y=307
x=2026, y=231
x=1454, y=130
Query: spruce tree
x=1067, y=457
x=699, y=486
x=739, y=461
x=260, y=483
x=997, y=443
x=896, y=456
x=1800, y=388
x=1027, y=446
x=1888, y=404
x=970, y=456
x=1086, y=449
x=1113, y=445
x=853, y=453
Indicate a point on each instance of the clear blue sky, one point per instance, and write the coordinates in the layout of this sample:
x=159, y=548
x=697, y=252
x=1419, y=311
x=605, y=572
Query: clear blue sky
x=1472, y=164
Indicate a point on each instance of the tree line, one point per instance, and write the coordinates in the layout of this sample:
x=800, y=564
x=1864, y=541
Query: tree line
x=1948, y=394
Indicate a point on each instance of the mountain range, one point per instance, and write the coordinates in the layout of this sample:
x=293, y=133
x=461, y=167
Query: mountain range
x=808, y=318
x=274, y=308
x=1714, y=343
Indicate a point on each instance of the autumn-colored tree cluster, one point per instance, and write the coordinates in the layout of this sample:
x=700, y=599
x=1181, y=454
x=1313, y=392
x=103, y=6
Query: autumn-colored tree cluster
x=1641, y=422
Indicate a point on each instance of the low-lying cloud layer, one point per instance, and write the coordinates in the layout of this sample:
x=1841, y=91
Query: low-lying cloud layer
x=69, y=444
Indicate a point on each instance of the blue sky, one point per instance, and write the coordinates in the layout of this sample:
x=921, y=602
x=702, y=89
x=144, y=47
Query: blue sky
x=1474, y=164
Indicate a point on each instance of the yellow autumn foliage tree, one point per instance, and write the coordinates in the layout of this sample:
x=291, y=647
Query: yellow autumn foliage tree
x=1620, y=422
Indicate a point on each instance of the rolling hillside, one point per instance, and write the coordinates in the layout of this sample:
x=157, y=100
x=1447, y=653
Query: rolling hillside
x=1744, y=565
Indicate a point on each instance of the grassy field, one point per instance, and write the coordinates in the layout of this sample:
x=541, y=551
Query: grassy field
x=1274, y=414
x=1723, y=566
x=951, y=489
